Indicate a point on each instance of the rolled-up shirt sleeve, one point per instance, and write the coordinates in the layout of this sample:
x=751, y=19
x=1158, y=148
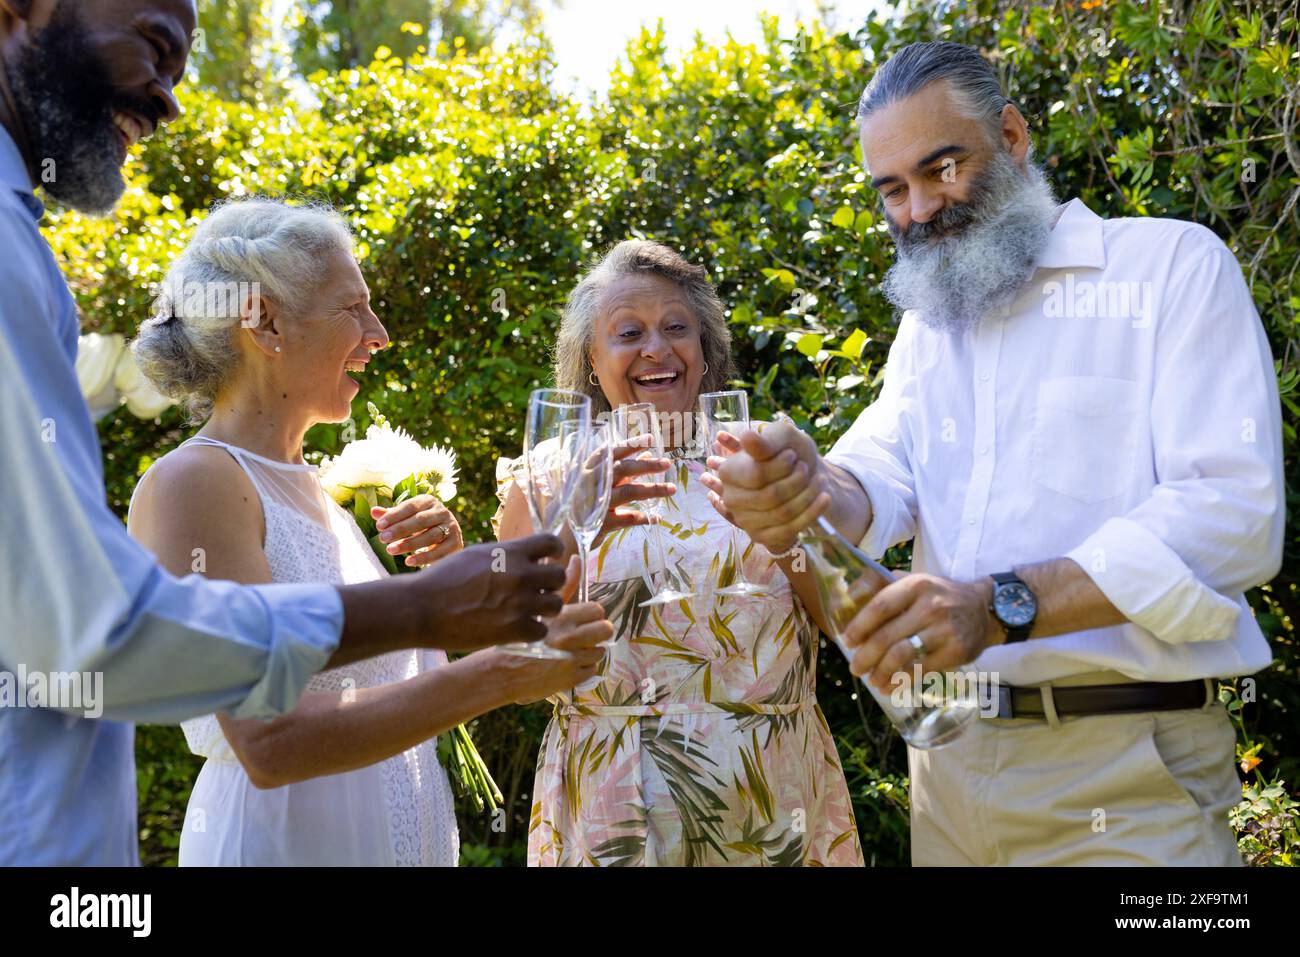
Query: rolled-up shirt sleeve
x=874, y=451
x=77, y=594
x=1212, y=527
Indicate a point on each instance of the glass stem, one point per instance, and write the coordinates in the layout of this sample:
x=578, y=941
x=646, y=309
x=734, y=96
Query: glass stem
x=670, y=580
x=739, y=558
x=583, y=550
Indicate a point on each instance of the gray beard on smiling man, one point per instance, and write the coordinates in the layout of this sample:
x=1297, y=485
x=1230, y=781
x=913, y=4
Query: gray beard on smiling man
x=65, y=104
x=973, y=257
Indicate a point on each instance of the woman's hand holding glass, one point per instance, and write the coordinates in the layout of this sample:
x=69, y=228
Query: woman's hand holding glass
x=773, y=483
x=580, y=631
x=631, y=466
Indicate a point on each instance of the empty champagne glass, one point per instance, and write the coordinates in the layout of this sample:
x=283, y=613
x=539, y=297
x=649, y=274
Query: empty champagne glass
x=549, y=476
x=590, y=450
x=928, y=717
x=728, y=412
x=635, y=421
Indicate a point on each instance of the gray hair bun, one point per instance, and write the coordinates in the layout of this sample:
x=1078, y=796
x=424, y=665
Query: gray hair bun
x=187, y=348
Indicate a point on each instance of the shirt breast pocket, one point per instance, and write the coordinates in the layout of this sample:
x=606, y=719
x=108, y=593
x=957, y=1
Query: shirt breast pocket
x=1085, y=436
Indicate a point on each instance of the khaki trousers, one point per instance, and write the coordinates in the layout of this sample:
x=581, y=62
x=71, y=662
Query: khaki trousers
x=1128, y=789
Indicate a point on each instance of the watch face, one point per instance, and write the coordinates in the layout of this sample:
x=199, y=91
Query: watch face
x=1014, y=604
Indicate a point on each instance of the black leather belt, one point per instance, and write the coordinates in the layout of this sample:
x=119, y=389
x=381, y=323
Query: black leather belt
x=1082, y=700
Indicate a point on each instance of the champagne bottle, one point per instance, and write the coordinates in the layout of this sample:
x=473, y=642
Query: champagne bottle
x=928, y=716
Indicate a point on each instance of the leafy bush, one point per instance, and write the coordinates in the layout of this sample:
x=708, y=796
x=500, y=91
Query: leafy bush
x=165, y=773
x=478, y=192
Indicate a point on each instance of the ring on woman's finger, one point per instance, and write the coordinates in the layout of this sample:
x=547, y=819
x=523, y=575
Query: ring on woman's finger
x=917, y=645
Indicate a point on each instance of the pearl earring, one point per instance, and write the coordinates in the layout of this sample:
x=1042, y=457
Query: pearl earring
x=277, y=348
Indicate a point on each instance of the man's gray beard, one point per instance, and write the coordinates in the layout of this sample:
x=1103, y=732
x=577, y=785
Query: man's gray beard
x=984, y=252
x=69, y=127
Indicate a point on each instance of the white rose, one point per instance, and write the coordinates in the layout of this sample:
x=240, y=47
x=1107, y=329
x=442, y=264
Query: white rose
x=97, y=356
x=383, y=459
x=146, y=402
x=357, y=466
x=126, y=374
x=142, y=399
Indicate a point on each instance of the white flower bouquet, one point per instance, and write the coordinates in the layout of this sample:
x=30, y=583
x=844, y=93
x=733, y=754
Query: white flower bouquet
x=385, y=469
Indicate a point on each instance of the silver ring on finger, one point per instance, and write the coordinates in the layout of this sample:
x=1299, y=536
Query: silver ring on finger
x=918, y=646
x=445, y=533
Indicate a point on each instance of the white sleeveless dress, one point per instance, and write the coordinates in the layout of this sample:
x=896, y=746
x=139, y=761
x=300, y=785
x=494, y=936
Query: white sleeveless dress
x=396, y=812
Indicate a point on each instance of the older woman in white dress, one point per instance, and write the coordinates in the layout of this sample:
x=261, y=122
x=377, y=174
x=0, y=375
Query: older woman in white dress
x=351, y=775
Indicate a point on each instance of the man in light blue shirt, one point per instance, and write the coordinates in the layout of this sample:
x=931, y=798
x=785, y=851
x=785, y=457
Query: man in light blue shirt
x=85, y=608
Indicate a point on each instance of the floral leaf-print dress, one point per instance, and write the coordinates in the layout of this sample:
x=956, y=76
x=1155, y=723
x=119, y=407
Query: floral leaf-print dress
x=700, y=742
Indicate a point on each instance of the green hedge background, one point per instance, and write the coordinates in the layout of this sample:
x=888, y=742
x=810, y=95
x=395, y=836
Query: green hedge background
x=478, y=190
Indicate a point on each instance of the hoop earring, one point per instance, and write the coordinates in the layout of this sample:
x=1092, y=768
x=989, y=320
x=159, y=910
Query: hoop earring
x=706, y=370
x=591, y=377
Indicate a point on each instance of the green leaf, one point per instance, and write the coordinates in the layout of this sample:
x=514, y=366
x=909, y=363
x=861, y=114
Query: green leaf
x=843, y=217
x=782, y=276
x=364, y=500
x=404, y=489
x=389, y=561
x=854, y=344
x=810, y=343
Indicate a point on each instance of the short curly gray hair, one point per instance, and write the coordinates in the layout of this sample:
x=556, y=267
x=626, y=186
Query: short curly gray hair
x=639, y=257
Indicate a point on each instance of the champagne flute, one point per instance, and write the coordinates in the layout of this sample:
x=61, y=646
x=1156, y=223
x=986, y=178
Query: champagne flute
x=549, y=474
x=846, y=580
x=591, y=451
x=638, y=422
x=729, y=412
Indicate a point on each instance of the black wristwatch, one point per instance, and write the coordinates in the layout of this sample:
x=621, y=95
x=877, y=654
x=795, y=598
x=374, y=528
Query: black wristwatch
x=1013, y=605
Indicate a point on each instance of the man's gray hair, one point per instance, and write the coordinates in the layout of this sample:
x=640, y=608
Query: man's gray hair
x=971, y=79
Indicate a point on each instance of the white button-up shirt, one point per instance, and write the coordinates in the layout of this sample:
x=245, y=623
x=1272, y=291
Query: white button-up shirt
x=1123, y=412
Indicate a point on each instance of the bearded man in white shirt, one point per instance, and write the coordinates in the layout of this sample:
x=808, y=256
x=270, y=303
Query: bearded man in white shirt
x=1079, y=426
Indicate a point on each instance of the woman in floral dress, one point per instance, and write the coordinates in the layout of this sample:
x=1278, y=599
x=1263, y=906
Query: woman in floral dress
x=700, y=742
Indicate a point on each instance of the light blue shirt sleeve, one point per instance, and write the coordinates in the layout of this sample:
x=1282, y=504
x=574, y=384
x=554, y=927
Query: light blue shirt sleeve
x=77, y=594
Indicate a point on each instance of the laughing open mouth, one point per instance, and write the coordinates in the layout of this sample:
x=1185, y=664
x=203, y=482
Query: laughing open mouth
x=666, y=377
x=130, y=129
